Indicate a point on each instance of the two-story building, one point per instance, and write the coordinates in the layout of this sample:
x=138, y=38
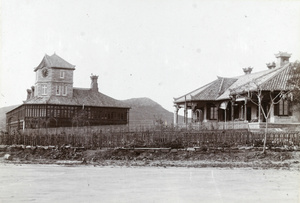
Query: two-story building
x=54, y=102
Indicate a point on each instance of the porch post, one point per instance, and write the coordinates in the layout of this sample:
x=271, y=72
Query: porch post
x=204, y=114
x=193, y=112
x=259, y=111
x=232, y=110
x=185, y=110
x=176, y=115
x=245, y=110
x=186, y=115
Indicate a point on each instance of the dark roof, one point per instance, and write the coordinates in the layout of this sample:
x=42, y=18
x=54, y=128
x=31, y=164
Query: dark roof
x=222, y=88
x=81, y=96
x=273, y=79
x=215, y=89
x=210, y=91
x=92, y=98
x=279, y=81
x=54, y=61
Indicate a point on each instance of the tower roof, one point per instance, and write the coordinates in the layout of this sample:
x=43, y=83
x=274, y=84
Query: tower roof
x=54, y=61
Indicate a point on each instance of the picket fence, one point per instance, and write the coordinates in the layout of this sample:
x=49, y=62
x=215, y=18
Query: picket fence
x=111, y=138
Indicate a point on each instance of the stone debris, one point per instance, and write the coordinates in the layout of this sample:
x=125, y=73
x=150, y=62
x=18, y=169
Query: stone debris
x=190, y=149
x=8, y=157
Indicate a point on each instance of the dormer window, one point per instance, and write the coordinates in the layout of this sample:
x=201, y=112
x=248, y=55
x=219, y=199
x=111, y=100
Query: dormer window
x=62, y=74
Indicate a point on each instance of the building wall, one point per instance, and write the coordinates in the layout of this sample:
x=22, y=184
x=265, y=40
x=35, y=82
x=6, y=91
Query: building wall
x=67, y=81
x=42, y=115
x=15, y=119
x=296, y=114
x=293, y=118
x=52, y=80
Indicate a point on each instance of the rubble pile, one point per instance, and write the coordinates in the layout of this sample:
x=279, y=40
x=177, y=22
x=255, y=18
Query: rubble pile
x=242, y=156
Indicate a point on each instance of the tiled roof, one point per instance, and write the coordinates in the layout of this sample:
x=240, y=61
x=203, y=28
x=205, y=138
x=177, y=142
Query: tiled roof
x=81, y=96
x=279, y=81
x=210, y=91
x=220, y=89
x=92, y=98
x=259, y=80
x=54, y=61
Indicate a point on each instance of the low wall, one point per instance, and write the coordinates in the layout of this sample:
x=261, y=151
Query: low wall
x=215, y=125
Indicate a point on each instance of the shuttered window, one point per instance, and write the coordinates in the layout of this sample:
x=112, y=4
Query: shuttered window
x=213, y=113
x=283, y=108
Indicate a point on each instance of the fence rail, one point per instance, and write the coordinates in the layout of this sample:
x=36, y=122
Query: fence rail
x=149, y=138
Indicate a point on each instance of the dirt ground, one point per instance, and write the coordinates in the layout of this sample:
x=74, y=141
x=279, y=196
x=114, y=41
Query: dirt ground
x=87, y=183
x=243, y=157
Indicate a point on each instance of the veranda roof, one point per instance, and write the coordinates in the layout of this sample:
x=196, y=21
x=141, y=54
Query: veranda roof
x=210, y=91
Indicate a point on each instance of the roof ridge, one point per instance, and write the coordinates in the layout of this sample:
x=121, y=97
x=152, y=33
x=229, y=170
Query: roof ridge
x=221, y=85
x=259, y=72
x=266, y=73
x=81, y=88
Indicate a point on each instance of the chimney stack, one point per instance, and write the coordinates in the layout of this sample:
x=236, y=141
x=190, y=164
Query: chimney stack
x=247, y=70
x=282, y=58
x=28, y=94
x=32, y=91
x=94, y=83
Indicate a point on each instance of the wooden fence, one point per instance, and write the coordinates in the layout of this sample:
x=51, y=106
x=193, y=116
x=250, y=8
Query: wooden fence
x=150, y=138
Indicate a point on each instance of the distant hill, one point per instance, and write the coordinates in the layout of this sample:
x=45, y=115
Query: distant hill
x=144, y=112
x=3, y=111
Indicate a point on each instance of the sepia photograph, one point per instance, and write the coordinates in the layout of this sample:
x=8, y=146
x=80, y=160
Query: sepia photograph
x=150, y=101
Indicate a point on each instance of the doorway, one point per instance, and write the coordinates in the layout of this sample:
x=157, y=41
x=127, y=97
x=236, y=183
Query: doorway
x=248, y=113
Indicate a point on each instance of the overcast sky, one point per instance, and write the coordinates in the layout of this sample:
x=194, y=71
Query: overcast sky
x=156, y=48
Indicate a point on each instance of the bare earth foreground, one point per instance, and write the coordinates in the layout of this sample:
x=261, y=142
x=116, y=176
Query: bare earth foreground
x=66, y=174
x=61, y=183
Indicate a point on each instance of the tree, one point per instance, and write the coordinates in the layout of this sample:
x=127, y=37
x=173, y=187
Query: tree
x=294, y=82
x=274, y=98
x=254, y=92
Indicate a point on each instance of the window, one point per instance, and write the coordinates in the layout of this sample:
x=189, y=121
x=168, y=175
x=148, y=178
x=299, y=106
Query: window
x=64, y=90
x=213, y=113
x=283, y=108
x=44, y=89
x=62, y=74
x=58, y=87
x=61, y=89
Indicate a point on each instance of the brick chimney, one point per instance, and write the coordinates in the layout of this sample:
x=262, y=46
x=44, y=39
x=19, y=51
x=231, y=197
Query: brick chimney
x=32, y=91
x=28, y=94
x=94, y=83
x=282, y=58
x=247, y=70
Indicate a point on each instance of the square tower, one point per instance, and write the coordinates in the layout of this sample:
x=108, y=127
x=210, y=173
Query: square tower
x=54, y=77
